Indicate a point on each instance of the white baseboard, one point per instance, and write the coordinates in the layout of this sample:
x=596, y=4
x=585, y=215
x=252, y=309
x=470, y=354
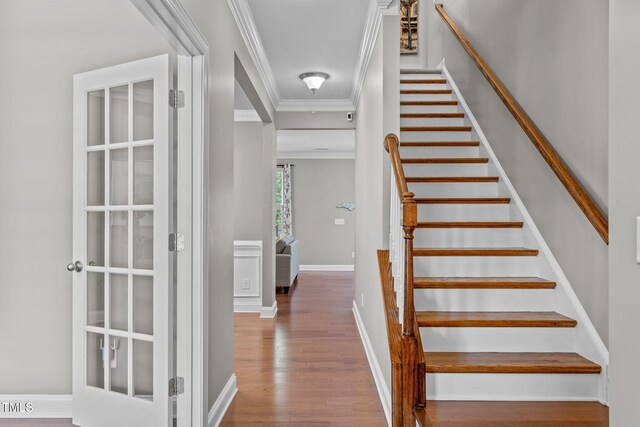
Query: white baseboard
x=35, y=406
x=240, y=306
x=269, y=312
x=324, y=267
x=381, y=385
x=223, y=401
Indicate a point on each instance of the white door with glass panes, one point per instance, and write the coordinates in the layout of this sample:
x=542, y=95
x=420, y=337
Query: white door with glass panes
x=122, y=266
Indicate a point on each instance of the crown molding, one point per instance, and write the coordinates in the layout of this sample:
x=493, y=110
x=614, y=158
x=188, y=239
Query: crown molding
x=246, y=116
x=244, y=19
x=316, y=105
x=377, y=8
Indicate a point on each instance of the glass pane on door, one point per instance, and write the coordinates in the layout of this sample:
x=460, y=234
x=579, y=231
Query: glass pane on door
x=119, y=114
x=119, y=239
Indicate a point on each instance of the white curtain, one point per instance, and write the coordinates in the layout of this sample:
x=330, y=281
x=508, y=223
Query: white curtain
x=287, y=211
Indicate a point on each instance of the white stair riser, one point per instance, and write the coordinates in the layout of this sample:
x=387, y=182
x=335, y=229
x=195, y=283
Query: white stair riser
x=438, y=152
x=499, y=339
x=483, y=299
x=466, y=212
x=468, y=237
x=424, y=86
x=477, y=266
x=465, y=189
x=429, y=109
x=426, y=97
x=435, y=136
x=512, y=387
x=432, y=121
x=421, y=76
x=443, y=169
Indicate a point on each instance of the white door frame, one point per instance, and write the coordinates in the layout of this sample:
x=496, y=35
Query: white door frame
x=174, y=23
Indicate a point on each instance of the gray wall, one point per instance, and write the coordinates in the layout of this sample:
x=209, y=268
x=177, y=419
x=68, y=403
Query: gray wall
x=43, y=44
x=319, y=120
x=36, y=132
x=225, y=44
x=552, y=56
x=248, y=200
x=624, y=152
x=318, y=187
x=372, y=188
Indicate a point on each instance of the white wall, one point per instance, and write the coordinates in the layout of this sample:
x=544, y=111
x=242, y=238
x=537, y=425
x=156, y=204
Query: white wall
x=372, y=187
x=318, y=186
x=552, y=56
x=624, y=152
x=248, y=198
x=44, y=44
x=216, y=22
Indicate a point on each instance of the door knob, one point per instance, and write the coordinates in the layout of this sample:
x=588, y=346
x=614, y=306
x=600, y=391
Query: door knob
x=75, y=266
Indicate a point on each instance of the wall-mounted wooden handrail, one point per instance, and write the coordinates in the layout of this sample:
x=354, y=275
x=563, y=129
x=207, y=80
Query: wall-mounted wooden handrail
x=588, y=206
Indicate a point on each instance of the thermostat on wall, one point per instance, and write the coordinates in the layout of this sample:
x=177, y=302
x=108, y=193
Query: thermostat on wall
x=339, y=221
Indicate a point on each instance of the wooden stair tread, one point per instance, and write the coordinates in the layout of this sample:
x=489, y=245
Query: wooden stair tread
x=471, y=224
x=441, y=144
x=475, y=252
x=464, y=201
x=423, y=81
x=426, y=91
x=440, y=179
x=494, y=319
x=432, y=115
x=483, y=283
x=446, y=160
x=435, y=129
x=509, y=363
x=431, y=103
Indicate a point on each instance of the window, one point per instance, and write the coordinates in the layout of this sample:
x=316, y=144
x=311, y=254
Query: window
x=279, y=200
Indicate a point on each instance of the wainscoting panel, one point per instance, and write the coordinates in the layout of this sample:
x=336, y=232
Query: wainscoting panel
x=247, y=280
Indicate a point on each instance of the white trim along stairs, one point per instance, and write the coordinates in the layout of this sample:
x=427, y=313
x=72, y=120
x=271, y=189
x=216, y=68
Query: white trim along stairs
x=498, y=318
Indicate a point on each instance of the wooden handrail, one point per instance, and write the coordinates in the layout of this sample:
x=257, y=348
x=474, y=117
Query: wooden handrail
x=409, y=224
x=413, y=368
x=391, y=144
x=588, y=206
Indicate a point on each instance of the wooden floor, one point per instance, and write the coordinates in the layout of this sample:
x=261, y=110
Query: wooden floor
x=308, y=366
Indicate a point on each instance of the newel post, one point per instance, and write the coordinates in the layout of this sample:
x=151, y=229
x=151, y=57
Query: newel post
x=410, y=350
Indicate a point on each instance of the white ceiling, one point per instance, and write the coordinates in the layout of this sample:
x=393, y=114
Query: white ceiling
x=316, y=143
x=311, y=35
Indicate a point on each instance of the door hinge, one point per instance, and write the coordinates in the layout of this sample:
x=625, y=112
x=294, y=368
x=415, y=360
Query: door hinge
x=176, y=98
x=176, y=386
x=176, y=242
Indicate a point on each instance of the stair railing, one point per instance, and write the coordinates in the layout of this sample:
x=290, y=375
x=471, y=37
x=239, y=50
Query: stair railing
x=404, y=216
x=575, y=188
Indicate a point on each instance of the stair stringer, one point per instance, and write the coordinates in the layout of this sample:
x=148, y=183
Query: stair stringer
x=588, y=342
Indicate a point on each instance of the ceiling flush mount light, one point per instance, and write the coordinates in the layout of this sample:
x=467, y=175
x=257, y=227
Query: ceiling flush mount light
x=314, y=79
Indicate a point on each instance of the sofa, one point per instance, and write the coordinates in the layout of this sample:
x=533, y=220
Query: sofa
x=287, y=262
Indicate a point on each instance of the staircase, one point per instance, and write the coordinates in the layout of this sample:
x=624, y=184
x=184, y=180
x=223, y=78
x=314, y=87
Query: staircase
x=497, y=318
